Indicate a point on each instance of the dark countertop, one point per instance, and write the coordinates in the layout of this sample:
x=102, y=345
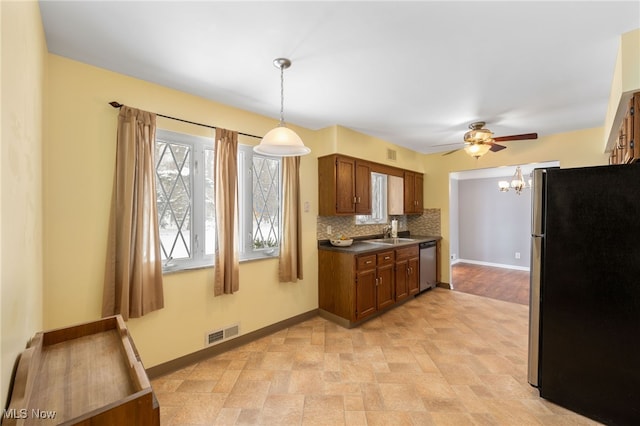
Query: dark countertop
x=359, y=246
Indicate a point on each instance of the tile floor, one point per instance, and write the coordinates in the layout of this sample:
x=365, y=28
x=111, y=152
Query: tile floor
x=443, y=358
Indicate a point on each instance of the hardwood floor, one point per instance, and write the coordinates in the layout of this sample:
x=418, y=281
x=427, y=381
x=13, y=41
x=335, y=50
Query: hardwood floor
x=509, y=285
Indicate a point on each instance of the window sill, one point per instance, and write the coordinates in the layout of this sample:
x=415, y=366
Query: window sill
x=249, y=258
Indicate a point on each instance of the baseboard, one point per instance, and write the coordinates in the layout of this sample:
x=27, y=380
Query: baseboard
x=444, y=285
x=192, y=358
x=495, y=265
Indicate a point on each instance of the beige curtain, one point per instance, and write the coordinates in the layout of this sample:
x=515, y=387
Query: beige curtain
x=133, y=275
x=226, y=189
x=290, y=265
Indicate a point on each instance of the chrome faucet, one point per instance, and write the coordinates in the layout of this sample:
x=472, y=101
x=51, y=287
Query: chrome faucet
x=386, y=231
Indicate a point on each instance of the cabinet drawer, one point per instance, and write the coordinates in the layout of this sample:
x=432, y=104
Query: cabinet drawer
x=407, y=252
x=366, y=262
x=386, y=258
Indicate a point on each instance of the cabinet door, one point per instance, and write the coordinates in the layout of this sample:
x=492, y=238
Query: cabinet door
x=345, y=185
x=409, y=185
x=418, y=193
x=385, y=286
x=363, y=187
x=413, y=277
x=365, y=293
x=402, y=279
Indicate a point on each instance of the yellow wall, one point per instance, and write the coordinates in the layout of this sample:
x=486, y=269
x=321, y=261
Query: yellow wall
x=56, y=163
x=574, y=149
x=23, y=87
x=78, y=168
x=80, y=155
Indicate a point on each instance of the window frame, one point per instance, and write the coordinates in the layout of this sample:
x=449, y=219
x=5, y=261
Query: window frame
x=197, y=176
x=197, y=236
x=380, y=195
x=245, y=198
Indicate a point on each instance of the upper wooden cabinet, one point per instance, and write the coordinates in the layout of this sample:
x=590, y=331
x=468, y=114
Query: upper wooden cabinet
x=344, y=186
x=413, y=192
x=627, y=150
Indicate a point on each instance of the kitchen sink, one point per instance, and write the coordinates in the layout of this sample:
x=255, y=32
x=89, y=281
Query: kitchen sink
x=389, y=240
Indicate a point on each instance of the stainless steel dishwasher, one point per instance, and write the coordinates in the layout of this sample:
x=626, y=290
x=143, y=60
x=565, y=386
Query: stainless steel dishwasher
x=427, y=265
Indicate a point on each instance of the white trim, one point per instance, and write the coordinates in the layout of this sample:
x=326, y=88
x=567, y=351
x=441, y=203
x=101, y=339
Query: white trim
x=495, y=265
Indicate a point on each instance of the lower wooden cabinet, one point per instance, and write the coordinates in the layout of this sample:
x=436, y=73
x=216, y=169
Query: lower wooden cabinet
x=352, y=287
x=407, y=272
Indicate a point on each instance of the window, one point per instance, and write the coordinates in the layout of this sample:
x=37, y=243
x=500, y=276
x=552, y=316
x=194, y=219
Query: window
x=186, y=201
x=260, y=201
x=185, y=198
x=378, y=201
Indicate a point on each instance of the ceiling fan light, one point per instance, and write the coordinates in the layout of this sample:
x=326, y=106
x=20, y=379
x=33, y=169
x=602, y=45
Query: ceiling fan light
x=478, y=135
x=477, y=150
x=281, y=142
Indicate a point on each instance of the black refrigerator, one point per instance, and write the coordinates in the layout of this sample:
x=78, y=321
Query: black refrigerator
x=584, y=328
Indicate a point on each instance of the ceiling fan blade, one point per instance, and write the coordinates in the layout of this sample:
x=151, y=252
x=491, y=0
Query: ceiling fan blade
x=516, y=137
x=495, y=147
x=451, y=152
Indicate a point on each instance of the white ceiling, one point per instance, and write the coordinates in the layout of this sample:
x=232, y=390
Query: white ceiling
x=413, y=73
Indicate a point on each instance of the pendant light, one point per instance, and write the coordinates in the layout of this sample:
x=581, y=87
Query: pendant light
x=281, y=141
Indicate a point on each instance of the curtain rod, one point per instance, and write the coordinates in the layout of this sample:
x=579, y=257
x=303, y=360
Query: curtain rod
x=118, y=105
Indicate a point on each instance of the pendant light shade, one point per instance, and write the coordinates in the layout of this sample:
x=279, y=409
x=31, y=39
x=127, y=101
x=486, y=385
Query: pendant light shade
x=281, y=141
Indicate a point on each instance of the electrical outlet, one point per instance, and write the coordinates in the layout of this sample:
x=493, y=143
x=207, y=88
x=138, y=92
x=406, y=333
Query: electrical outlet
x=517, y=255
x=453, y=256
x=329, y=230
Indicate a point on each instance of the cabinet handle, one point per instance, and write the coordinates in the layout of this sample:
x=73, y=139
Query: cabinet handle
x=387, y=257
x=359, y=199
x=355, y=200
x=368, y=261
x=380, y=280
x=376, y=282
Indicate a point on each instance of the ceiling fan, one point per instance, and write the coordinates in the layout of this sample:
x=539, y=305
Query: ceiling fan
x=479, y=140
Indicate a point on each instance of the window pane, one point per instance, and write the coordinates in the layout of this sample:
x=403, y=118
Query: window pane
x=378, y=201
x=266, y=202
x=173, y=187
x=209, y=204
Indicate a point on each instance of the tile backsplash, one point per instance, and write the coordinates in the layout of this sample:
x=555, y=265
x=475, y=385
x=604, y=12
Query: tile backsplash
x=428, y=223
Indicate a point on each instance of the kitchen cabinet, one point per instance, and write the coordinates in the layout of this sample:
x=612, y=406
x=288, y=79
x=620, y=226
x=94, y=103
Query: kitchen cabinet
x=385, y=284
x=353, y=287
x=407, y=272
x=627, y=149
x=374, y=283
x=344, y=186
x=413, y=192
x=363, y=187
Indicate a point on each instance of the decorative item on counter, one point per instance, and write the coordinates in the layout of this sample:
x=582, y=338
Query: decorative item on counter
x=342, y=241
x=394, y=228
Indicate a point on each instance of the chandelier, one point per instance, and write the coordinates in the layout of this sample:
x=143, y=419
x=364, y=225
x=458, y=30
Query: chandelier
x=517, y=183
